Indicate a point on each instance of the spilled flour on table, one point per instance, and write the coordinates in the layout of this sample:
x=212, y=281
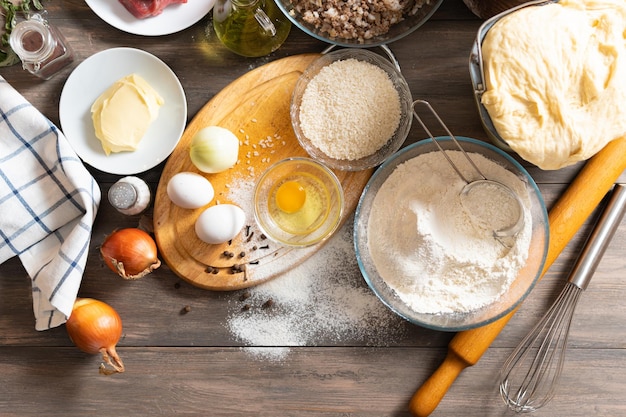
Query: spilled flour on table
x=325, y=299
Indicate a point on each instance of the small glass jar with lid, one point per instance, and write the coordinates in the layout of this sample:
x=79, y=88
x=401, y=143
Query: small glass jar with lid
x=41, y=47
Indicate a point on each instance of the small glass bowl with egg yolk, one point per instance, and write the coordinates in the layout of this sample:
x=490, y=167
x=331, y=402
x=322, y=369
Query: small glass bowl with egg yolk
x=298, y=202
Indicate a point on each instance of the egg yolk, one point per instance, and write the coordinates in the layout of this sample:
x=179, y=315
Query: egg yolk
x=290, y=196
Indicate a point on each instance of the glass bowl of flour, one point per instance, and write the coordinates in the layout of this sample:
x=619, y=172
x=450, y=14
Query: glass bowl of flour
x=420, y=251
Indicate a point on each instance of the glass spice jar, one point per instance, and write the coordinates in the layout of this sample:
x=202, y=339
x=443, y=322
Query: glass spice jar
x=41, y=47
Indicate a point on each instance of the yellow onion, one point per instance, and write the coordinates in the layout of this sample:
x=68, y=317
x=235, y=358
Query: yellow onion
x=214, y=149
x=95, y=327
x=131, y=253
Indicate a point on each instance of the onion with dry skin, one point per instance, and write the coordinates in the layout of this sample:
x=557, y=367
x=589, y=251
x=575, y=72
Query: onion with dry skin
x=131, y=253
x=95, y=327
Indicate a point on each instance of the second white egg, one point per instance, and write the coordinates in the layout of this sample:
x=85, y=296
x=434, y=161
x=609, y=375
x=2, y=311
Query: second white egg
x=190, y=190
x=220, y=223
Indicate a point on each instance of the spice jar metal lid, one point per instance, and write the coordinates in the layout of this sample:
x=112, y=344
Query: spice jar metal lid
x=122, y=195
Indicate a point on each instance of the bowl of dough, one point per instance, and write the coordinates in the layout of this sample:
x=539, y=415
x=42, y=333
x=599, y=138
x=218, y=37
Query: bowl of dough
x=354, y=23
x=351, y=109
x=552, y=94
x=423, y=254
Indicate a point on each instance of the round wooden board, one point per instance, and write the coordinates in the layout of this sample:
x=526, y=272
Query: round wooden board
x=256, y=108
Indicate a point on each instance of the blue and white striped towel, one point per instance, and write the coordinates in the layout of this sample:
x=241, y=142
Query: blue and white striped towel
x=48, y=202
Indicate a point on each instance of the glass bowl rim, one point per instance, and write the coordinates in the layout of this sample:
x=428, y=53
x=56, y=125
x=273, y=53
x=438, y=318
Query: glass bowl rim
x=329, y=174
x=283, y=5
x=544, y=223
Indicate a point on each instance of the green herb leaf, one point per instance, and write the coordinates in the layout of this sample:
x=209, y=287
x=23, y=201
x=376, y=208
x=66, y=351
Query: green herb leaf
x=8, y=58
x=10, y=12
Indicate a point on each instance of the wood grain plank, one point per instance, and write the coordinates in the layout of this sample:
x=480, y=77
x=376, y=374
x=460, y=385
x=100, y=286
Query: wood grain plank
x=307, y=382
x=192, y=365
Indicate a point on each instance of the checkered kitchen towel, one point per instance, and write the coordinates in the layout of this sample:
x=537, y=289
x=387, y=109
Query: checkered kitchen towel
x=48, y=202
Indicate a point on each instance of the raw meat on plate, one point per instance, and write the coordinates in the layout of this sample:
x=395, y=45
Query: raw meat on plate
x=142, y=9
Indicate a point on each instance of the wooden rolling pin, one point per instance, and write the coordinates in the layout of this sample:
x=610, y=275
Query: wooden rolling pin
x=566, y=217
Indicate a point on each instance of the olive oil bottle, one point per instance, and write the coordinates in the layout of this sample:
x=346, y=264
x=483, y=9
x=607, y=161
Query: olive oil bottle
x=251, y=28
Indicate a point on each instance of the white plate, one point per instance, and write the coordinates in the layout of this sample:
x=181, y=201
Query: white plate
x=91, y=78
x=174, y=18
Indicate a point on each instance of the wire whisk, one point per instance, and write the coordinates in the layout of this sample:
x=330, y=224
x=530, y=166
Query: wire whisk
x=530, y=375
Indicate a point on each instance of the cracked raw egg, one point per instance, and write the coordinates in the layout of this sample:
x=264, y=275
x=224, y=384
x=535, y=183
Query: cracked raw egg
x=298, y=202
x=290, y=196
x=301, y=203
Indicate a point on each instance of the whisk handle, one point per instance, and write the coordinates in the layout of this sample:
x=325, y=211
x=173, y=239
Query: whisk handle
x=600, y=237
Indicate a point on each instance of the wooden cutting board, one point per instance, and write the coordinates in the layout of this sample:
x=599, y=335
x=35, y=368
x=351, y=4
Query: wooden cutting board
x=256, y=108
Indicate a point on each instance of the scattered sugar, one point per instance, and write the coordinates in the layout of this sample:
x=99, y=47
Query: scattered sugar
x=272, y=354
x=323, y=299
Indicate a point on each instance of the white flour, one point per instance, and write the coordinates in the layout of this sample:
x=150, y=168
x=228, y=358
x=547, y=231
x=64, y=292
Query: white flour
x=323, y=299
x=428, y=249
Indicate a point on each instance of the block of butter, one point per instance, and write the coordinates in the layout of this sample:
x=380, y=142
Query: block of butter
x=123, y=113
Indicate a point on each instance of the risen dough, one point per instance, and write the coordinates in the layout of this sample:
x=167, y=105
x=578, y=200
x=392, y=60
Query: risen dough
x=555, y=79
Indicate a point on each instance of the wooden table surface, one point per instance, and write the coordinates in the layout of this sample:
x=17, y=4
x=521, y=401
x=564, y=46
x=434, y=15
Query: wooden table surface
x=194, y=363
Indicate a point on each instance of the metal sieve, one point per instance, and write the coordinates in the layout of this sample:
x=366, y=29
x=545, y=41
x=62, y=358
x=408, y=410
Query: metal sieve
x=479, y=189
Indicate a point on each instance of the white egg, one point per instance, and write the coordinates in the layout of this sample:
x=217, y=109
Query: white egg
x=190, y=190
x=220, y=223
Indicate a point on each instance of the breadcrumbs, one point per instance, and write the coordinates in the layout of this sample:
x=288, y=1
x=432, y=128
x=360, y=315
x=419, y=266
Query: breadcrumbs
x=350, y=109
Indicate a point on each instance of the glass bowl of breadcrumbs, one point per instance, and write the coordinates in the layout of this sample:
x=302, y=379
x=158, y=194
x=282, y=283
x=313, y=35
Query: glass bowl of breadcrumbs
x=351, y=109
